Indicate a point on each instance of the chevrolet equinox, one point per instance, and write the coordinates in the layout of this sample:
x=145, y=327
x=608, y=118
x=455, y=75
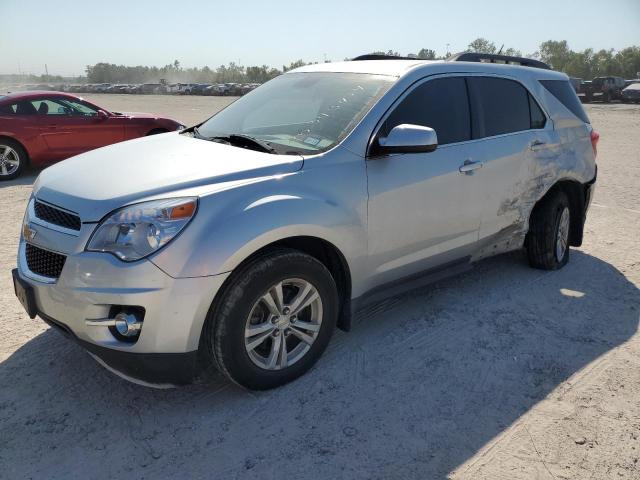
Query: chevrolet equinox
x=245, y=241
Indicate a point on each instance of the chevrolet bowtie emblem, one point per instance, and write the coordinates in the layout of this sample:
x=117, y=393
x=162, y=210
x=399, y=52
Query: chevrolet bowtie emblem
x=28, y=233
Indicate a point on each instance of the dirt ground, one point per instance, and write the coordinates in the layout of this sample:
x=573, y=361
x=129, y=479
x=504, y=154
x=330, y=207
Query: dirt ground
x=502, y=373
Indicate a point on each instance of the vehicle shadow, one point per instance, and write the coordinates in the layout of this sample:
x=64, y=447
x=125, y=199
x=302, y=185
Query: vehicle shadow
x=27, y=178
x=418, y=387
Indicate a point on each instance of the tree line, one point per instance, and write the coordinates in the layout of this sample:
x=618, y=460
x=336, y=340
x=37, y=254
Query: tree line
x=175, y=73
x=585, y=64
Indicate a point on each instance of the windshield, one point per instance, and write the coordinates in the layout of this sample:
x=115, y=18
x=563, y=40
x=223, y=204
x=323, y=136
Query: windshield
x=300, y=113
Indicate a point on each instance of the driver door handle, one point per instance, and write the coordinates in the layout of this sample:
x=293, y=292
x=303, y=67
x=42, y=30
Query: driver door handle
x=469, y=166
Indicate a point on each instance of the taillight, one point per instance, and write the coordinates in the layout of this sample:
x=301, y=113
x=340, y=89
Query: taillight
x=595, y=136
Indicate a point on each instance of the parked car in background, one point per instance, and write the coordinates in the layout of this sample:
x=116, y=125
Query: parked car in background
x=150, y=88
x=606, y=89
x=118, y=88
x=233, y=89
x=185, y=88
x=247, y=87
x=199, y=88
x=244, y=242
x=180, y=88
x=102, y=87
x=575, y=83
x=40, y=128
x=210, y=90
x=219, y=89
x=631, y=93
x=584, y=91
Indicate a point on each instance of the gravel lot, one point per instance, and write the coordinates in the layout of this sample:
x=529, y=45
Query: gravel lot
x=502, y=373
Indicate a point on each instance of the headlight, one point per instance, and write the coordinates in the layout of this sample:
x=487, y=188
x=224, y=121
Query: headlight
x=136, y=231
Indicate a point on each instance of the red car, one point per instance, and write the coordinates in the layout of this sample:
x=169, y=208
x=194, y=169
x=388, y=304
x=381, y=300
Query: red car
x=44, y=127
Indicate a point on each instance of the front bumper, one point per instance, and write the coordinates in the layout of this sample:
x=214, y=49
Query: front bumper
x=91, y=284
x=151, y=369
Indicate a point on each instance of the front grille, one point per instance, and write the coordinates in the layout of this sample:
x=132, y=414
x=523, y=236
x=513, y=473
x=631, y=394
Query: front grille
x=43, y=262
x=56, y=216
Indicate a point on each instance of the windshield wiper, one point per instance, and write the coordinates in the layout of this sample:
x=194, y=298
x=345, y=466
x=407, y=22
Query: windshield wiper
x=238, y=139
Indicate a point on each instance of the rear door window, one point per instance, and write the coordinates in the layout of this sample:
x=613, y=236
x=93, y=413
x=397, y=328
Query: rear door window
x=441, y=104
x=562, y=90
x=538, y=120
x=25, y=108
x=499, y=106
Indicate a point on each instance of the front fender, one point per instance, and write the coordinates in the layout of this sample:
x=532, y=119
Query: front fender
x=232, y=225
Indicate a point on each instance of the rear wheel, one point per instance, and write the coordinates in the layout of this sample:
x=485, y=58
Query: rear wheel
x=13, y=159
x=273, y=320
x=549, y=230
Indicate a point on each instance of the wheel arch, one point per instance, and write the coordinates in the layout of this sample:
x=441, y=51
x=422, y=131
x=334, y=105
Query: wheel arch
x=575, y=192
x=326, y=253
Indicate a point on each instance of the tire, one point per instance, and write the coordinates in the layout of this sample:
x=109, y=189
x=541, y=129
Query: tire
x=13, y=159
x=550, y=221
x=246, y=359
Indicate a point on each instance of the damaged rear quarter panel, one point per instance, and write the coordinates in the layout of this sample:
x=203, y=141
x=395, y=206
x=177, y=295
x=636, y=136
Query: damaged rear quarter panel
x=566, y=155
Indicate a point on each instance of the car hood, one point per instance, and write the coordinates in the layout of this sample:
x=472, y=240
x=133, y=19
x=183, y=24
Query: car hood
x=97, y=182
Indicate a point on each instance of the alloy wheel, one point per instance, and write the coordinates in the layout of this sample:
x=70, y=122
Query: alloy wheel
x=283, y=324
x=9, y=160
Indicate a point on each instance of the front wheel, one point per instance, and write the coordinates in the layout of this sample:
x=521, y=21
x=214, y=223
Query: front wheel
x=13, y=159
x=549, y=229
x=273, y=320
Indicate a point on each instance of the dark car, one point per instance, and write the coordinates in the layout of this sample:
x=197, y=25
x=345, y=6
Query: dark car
x=199, y=88
x=44, y=127
x=631, y=93
x=151, y=88
x=607, y=89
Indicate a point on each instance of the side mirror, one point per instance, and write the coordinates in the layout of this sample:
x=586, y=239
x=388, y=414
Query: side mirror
x=102, y=115
x=407, y=138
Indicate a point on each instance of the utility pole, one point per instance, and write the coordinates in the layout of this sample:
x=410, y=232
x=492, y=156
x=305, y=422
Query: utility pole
x=46, y=69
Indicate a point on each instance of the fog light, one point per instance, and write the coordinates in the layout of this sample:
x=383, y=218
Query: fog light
x=127, y=324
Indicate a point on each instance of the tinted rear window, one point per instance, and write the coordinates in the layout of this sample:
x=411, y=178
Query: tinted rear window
x=499, y=106
x=440, y=104
x=564, y=92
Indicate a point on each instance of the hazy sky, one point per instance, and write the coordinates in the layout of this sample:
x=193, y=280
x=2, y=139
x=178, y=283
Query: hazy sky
x=68, y=35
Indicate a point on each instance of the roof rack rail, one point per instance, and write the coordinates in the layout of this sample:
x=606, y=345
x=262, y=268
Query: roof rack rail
x=495, y=58
x=381, y=56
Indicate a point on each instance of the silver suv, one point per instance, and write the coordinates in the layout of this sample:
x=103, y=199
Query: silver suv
x=245, y=241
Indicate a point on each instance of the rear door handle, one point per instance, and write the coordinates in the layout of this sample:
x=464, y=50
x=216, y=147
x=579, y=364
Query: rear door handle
x=537, y=144
x=469, y=166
